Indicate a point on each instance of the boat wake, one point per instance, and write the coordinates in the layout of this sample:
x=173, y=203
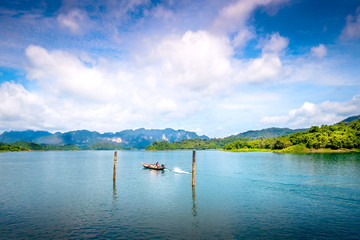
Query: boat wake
x=178, y=170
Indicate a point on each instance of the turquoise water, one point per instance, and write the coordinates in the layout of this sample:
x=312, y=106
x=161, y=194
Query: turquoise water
x=71, y=195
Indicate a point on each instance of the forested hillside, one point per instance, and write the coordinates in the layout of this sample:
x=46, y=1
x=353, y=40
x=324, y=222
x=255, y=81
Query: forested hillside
x=26, y=146
x=337, y=136
x=199, y=144
x=219, y=143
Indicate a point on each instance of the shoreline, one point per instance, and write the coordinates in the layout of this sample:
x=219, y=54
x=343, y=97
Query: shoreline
x=300, y=151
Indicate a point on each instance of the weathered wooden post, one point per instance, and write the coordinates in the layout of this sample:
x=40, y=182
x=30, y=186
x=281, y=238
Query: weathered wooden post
x=115, y=156
x=193, y=169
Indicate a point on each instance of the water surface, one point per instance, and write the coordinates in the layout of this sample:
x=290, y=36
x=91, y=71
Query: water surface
x=71, y=195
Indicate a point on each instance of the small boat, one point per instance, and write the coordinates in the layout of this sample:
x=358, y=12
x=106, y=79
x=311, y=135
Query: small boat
x=153, y=166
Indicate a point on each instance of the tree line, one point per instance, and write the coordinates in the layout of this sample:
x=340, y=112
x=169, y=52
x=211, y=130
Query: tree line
x=27, y=146
x=188, y=144
x=337, y=136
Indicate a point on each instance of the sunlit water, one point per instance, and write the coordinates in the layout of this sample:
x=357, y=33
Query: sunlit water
x=71, y=195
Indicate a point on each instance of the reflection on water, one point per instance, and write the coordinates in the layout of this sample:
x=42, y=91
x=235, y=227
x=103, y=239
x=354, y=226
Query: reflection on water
x=114, y=192
x=194, y=211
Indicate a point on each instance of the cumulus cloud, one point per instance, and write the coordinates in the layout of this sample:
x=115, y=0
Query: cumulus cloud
x=203, y=63
x=268, y=66
x=316, y=114
x=23, y=109
x=319, y=51
x=19, y=107
x=197, y=61
x=170, y=80
x=352, y=27
x=63, y=73
x=275, y=44
x=81, y=91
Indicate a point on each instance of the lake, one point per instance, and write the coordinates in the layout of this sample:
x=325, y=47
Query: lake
x=72, y=195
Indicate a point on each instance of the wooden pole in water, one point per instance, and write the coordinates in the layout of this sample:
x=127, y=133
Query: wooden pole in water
x=193, y=169
x=115, y=157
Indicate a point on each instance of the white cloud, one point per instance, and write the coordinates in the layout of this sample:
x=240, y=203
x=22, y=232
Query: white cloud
x=233, y=19
x=242, y=37
x=275, y=44
x=264, y=68
x=352, y=27
x=104, y=93
x=316, y=114
x=196, y=61
x=62, y=73
x=319, y=51
x=73, y=20
x=20, y=108
x=234, y=16
x=268, y=66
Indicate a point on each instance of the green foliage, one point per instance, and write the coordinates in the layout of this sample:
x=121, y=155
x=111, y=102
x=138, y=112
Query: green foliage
x=298, y=148
x=26, y=146
x=189, y=144
x=11, y=148
x=268, y=133
x=338, y=136
x=105, y=146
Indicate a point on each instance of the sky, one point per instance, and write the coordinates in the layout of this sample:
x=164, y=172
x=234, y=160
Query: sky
x=214, y=67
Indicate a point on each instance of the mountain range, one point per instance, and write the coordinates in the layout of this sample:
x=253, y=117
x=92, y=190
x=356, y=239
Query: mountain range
x=139, y=138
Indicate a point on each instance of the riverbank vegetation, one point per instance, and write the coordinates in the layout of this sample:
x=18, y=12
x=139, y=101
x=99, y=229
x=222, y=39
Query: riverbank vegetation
x=106, y=146
x=341, y=137
x=29, y=146
x=12, y=148
x=189, y=144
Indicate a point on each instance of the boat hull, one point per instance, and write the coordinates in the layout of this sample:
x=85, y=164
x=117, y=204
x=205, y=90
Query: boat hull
x=152, y=166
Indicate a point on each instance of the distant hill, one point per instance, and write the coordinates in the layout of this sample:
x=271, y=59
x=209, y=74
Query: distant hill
x=139, y=138
x=26, y=136
x=277, y=132
x=351, y=119
x=219, y=143
x=268, y=133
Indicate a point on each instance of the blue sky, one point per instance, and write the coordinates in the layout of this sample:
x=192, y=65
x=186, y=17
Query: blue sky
x=214, y=67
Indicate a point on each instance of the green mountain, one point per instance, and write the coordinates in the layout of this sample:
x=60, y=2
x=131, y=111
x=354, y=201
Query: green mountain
x=345, y=137
x=253, y=139
x=27, y=136
x=350, y=119
x=139, y=138
x=268, y=133
x=219, y=143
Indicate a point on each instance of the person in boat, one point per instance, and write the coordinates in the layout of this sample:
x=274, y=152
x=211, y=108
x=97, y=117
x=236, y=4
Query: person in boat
x=157, y=164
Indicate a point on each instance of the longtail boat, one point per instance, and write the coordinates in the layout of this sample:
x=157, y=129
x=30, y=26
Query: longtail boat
x=153, y=166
